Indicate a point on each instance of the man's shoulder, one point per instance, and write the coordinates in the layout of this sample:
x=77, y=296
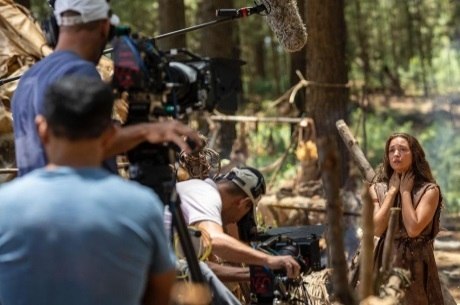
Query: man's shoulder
x=61, y=63
x=97, y=178
x=11, y=189
x=123, y=188
x=197, y=183
x=131, y=187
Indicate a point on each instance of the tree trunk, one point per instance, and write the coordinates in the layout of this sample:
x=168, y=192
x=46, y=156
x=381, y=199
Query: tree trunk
x=329, y=163
x=259, y=58
x=220, y=41
x=327, y=101
x=328, y=98
x=172, y=18
x=421, y=48
x=363, y=44
x=276, y=75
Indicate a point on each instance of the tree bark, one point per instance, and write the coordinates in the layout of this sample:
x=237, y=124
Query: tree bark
x=356, y=153
x=171, y=18
x=326, y=65
x=220, y=41
x=329, y=167
x=363, y=44
x=259, y=58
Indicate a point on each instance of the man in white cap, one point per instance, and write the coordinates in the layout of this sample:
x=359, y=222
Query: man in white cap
x=84, y=30
x=211, y=205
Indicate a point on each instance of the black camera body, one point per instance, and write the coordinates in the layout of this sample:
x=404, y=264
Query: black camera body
x=300, y=242
x=158, y=86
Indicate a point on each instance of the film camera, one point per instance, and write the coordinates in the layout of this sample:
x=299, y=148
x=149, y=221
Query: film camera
x=166, y=84
x=159, y=85
x=173, y=82
x=272, y=286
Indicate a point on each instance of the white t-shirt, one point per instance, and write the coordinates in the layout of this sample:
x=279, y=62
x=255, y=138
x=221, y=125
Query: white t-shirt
x=200, y=201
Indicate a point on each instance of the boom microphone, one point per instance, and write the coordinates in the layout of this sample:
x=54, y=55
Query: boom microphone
x=242, y=12
x=284, y=19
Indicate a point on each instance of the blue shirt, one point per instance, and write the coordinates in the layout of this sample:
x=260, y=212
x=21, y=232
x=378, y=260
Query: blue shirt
x=28, y=102
x=83, y=236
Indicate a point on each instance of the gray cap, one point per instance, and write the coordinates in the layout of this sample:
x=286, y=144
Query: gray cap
x=250, y=180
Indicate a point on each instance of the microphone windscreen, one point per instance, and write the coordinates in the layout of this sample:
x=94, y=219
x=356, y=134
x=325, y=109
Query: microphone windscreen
x=284, y=19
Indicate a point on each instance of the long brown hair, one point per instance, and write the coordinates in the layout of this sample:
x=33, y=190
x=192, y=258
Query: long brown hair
x=420, y=166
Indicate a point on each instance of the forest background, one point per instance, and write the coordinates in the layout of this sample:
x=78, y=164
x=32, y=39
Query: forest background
x=381, y=65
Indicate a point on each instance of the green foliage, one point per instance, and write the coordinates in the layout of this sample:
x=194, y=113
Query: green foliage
x=442, y=146
x=140, y=15
x=267, y=144
x=40, y=9
x=378, y=128
x=406, y=42
x=414, y=39
x=440, y=141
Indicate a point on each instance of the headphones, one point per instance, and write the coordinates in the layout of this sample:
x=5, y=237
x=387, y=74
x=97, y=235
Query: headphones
x=239, y=175
x=50, y=27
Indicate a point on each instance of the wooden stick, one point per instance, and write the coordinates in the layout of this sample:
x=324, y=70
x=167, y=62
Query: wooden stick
x=307, y=209
x=366, y=288
x=389, y=238
x=368, y=173
x=356, y=153
x=4, y=171
x=241, y=118
x=381, y=277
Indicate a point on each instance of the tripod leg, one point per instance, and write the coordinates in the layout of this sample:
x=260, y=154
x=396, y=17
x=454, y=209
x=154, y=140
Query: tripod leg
x=184, y=238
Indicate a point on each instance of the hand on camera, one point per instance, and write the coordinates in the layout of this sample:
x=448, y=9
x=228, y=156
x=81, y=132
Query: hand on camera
x=174, y=132
x=285, y=262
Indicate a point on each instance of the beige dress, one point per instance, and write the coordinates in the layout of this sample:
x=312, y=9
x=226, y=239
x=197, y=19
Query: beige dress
x=415, y=254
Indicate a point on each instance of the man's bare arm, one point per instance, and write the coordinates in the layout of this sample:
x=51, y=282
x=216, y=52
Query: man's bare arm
x=128, y=137
x=232, y=250
x=229, y=273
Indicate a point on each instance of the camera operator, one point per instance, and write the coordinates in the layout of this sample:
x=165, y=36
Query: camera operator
x=84, y=30
x=73, y=233
x=211, y=205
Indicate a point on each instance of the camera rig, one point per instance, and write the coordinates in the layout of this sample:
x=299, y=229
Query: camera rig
x=273, y=286
x=159, y=86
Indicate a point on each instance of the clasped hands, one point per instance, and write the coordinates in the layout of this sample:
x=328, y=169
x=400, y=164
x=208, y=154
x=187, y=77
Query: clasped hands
x=402, y=182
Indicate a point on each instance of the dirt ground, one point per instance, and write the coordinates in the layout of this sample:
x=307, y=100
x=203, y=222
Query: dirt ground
x=448, y=261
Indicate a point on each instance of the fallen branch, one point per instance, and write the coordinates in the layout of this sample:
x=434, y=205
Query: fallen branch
x=356, y=153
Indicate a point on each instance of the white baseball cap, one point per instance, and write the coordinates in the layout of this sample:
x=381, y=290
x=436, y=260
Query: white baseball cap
x=89, y=10
x=250, y=180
